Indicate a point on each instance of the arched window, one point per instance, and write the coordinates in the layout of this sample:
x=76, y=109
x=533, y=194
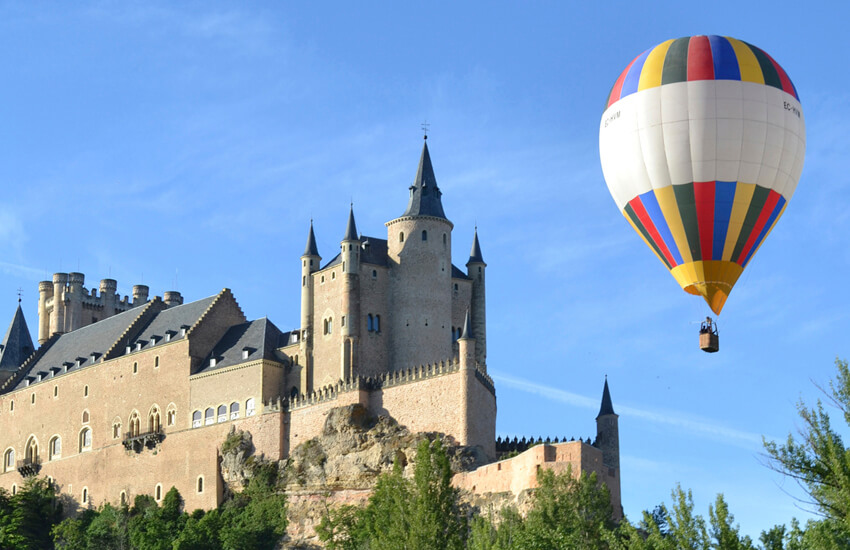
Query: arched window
x=86, y=417
x=171, y=416
x=234, y=410
x=249, y=407
x=135, y=424
x=54, y=448
x=401, y=237
x=154, y=420
x=197, y=422
x=157, y=493
x=85, y=439
x=209, y=416
x=200, y=484
x=9, y=460
x=424, y=235
x=32, y=450
x=123, y=498
x=85, y=499
x=369, y=327
x=116, y=428
x=222, y=413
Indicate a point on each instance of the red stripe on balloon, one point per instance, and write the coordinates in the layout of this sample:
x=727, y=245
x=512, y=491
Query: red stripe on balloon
x=767, y=209
x=646, y=221
x=618, y=86
x=700, y=61
x=704, y=199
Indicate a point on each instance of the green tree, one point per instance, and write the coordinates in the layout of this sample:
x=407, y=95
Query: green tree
x=108, y=529
x=724, y=533
x=820, y=462
x=27, y=517
x=255, y=519
x=153, y=527
x=201, y=532
x=687, y=530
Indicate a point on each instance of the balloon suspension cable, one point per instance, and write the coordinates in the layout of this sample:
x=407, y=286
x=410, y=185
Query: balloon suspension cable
x=709, y=326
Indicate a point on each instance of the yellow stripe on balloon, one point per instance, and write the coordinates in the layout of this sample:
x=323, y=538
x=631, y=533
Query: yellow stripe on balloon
x=650, y=75
x=639, y=232
x=747, y=62
x=670, y=208
x=743, y=197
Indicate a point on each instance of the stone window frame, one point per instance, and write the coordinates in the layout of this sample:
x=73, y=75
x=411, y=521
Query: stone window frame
x=234, y=410
x=171, y=415
x=250, y=407
x=54, y=448
x=154, y=418
x=209, y=416
x=116, y=427
x=31, y=448
x=218, y=413
x=157, y=492
x=197, y=422
x=9, y=459
x=85, y=442
x=134, y=423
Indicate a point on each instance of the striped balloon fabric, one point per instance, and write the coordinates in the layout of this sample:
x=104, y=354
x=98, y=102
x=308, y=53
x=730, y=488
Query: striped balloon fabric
x=702, y=143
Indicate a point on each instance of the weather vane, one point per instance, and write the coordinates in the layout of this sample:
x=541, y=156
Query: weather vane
x=425, y=127
x=20, y=291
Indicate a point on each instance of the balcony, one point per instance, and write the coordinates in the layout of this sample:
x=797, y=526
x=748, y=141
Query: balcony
x=29, y=466
x=138, y=442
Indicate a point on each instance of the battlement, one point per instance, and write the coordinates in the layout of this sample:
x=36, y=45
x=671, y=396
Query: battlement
x=513, y=446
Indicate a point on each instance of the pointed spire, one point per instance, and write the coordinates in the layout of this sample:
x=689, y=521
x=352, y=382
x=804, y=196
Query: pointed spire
x=467, y=327
x=311, y=249
x=17, y=344
x=607, y=407
x=475, y=253
x=351, y=228
x=424, y=193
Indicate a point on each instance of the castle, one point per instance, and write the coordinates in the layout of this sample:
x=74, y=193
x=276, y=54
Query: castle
x=132, y=396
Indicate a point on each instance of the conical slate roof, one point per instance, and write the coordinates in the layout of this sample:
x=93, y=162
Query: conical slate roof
x=607, y=407
x=351, y=228
x=475, y=253
x=467, y=327
x=17, y=344
x=311, y=249
x=424, y=193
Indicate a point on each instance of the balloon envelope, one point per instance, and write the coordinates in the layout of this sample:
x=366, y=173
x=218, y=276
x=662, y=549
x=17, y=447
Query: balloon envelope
x=702, y=144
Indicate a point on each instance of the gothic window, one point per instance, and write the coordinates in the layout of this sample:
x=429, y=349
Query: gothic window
x=32, y=449
x=9, y=460
x=249, y=407
x=234, y=410
x=209, y=416
x=54, y=448
x=85, y=440
x=401, y=237
x=171, y=415
x=222, y=413
x=154, y=420
x=424, y=235
x=135, y=424
x=196, y=419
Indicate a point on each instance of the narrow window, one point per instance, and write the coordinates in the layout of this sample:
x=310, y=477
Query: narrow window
x=445, y=240
x=86, y=391
x=14, y=489
x=196, y=419
x=401, y=237
x=424, y=235
x=123, y=498
x=86, y=417
x=377, y=323
x=9, y=460
x=32, y=399
x=330, y=325
x=116, y=428
x=293, y=393
x=200, y=484
x=333, y=273
x=54, y=448
x=135, y=367
x=11, y=406
x=342, y=321
x=323, y=278
x=369, y=326
x=172, y=417
x=55, y=391
x=374, y=273
x=158, y=492
x=85, y=495
x=304, y=280
x=156, y=362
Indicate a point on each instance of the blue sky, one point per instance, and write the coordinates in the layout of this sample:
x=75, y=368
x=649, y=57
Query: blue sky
x=188, y=145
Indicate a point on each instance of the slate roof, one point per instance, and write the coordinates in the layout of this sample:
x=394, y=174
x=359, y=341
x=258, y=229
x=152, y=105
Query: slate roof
x=475, y=253
x=171, y=320
x=607, y=407
x=311, y=249
x=351, y=227
x=424, y=194
x=17, y=344
x=260, y=338
x=374, y=253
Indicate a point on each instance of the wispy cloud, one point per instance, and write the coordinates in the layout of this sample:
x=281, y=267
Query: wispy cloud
x=705, y=427
x=28, y=272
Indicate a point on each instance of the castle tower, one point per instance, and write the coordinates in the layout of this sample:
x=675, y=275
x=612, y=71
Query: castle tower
x=57, y=317
x=310, y=262
x=607, y=431
x=466, y=345
x=74, y=299
x=140, y=294
x=350, y=320
x=419, y=252
x=108, y=287
x=476, y=270
x=45, y=293
x=16, y=346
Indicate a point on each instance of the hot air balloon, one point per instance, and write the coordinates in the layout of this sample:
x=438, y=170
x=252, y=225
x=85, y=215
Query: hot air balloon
x=702, y=144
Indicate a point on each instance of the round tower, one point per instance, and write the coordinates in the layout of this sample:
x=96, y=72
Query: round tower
x=74, y=312
x=476, y=270
x=608, y=431
x=172, y=298
x=57, y=318
x=419, y=245
x=140, y=294
x=108, y=287
x=310, y=262
x=45, y=292
x=350, y=257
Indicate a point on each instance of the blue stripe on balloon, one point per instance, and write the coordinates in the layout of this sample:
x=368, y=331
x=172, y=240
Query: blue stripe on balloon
x=630, y=84
x=650, y=203
x=776, y=210
x=724, y=199
x=725, y=60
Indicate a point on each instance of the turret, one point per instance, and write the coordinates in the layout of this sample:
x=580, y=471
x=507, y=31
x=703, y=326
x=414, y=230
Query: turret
x=57, y=320
x=419, y=252
x=74, y=300
x=310, y=262
x=466, y=345
x=107, y=296
x=45, y=293
x=140, y=294
x=172, y=298
x=607, y=431
x=16, y=346
x=350, y=321
x=476, y=270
